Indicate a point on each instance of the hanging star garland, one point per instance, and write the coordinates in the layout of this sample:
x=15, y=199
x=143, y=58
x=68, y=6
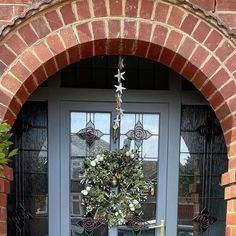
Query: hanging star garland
x=119, y=92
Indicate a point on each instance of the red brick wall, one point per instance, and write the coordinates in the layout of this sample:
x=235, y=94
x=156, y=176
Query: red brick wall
x=208, y=5
x=4, y=190
x=61, y=34
x=11, y=8
x=224, y=9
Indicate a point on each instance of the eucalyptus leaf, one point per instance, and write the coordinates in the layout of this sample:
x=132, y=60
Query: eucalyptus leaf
x=12, y=153
x=106, y=199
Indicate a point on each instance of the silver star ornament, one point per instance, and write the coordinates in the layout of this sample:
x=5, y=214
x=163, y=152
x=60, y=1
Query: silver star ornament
x=121, y=111
x=119, y=88
x=120, y=76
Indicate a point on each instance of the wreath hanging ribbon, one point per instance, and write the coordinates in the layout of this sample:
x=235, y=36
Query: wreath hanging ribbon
x=115, y=186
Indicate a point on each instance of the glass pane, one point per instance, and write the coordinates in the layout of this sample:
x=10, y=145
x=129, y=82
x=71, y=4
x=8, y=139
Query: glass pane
x=29, y=190
x=78, y=121
x=98, y=72
x=141, y=132
x=150, y=148
x=192, y=142
x=127, y=122
x=35, y=184
x=102, y=121
x=35, y=139
x=190, y=118
x=203, y=159
x=151, y=123
x=89, y=131
x=35, y=161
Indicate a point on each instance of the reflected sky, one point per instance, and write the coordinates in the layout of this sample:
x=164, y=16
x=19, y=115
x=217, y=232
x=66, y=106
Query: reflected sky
x=102, y=122
x=184, y=152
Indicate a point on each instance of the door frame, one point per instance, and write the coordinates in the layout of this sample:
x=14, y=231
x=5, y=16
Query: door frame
x=174, y=97
x=66, y=108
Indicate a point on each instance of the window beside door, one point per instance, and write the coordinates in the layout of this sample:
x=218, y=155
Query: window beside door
x=203, y=159
x=28, y=200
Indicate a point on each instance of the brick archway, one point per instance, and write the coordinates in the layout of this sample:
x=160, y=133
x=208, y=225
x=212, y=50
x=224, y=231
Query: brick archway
x=61, y=34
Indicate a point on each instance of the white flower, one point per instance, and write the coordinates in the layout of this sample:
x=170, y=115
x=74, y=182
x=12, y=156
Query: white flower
x=101, y=158
x=98, y=157
x=135, y=202
x=116, y=213
x=88, y=188
x=131, y=205
x=132, y=209
x=84, y=192
x=132, y=155
x=93, y=163
x=127, y=154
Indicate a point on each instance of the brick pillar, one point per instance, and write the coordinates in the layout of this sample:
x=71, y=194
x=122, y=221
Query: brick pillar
x=229, y=181
x=4, y=190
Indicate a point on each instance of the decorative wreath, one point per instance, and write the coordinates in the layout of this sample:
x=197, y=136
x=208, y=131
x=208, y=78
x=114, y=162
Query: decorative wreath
x=115, y=186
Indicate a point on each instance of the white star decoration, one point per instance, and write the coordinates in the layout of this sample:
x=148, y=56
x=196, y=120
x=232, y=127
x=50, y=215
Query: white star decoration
x=117, y=121
x=119, y=88
x=119, y=91
x=120, y=111
x=120, y=76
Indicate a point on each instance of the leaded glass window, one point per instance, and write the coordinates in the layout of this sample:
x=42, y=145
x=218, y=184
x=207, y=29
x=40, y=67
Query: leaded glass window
x=28, y=200
x=140, y=131
x=203, y=159
x=99, y=71
x=88, y=132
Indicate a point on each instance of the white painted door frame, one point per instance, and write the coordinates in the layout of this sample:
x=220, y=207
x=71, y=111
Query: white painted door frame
x=55, y=96
x=66, y=108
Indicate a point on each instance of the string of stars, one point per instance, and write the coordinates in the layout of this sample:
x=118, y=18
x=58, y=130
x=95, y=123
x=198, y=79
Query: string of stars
x=118, y=94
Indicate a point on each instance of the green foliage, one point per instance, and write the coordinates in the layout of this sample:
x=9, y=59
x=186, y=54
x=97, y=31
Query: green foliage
x=114, y=206
x=5, y=144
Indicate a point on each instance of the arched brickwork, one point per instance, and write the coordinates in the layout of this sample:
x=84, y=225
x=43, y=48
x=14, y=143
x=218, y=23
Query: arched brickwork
x=65, y=32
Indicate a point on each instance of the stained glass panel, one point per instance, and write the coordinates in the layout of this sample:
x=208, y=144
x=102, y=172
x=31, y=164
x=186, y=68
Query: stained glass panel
x=203, y=159
x=28, y=201
x=140, y=131
x=89, y=131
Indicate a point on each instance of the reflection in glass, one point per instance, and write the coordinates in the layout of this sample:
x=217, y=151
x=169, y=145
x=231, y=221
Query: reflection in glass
x=140, y=131
x=136, y=127
x=86, y=137
x=28, y=199
x=89, y=131
x=80, y=149
x=203, y=159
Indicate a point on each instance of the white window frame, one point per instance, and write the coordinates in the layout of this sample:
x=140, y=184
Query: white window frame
x=173, y=99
